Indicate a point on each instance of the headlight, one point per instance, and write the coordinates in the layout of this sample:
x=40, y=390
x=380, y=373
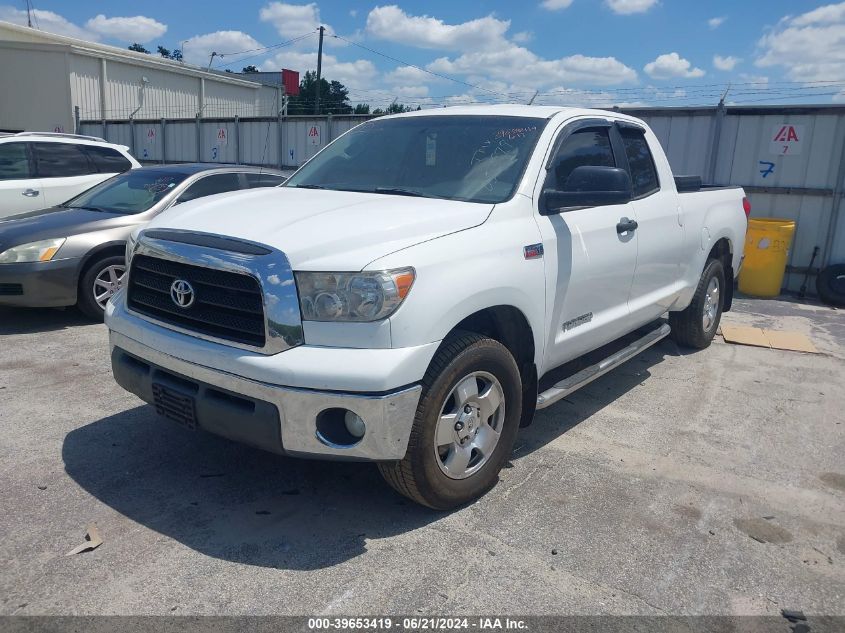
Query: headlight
x=367, y=296
x=42, y=251
x=130, y=245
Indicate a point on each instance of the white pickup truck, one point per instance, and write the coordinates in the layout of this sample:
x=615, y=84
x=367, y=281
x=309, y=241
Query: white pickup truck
x=403, y=296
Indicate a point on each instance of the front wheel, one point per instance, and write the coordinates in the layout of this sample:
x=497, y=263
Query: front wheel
x=465, y=425
x=98, y=284
x=696, y=326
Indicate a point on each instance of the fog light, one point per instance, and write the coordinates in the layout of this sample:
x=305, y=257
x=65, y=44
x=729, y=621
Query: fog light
x=354, y=424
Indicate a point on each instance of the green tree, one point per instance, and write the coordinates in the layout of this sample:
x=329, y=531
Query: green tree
x=362, y=108
x=334, y=96
x=250, y=69
x=164, y=52
x=138, y=48
x=176, y=55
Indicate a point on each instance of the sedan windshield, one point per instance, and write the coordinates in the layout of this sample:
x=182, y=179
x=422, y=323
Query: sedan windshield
x=131, y=192
x=472, y=158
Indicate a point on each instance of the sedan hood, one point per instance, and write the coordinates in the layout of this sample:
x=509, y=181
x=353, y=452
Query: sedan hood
x=322, y=229
x=57, y=222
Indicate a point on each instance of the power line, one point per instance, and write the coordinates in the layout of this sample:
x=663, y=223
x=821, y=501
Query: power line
x=425, y=70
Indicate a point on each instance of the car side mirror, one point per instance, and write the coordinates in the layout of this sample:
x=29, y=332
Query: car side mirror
x=588, y=186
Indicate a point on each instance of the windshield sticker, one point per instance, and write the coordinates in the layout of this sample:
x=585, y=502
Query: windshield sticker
x=431, y=150
x=515, y=132
x=161, y=184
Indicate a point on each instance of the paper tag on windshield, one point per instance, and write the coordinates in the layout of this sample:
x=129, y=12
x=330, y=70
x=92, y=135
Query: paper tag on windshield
x=430, y=150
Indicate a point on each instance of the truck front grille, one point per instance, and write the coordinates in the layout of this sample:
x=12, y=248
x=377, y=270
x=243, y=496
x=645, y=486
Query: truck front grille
x=11, y=290
x=225, y=305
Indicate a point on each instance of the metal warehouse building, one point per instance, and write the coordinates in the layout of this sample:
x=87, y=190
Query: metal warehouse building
x=44, y=78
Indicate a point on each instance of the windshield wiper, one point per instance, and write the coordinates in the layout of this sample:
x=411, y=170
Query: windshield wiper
x=100, y=209
x=310, y=187
x=400, y=192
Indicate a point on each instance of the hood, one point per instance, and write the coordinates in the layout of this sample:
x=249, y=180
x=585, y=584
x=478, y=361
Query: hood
x=57, y=222
x=325, y=230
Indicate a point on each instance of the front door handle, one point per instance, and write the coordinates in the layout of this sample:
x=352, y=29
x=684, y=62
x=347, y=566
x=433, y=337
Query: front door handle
x=624, y=225
x=30, y=193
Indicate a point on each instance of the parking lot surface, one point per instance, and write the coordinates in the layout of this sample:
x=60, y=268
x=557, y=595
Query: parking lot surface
x=683, y=483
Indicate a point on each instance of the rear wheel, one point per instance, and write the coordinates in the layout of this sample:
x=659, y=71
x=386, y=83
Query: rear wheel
x=465, y=425
x=696, y=326
x=98, y=284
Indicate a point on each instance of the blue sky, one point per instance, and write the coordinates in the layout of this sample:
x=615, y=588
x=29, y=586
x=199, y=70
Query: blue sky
x=591, y=52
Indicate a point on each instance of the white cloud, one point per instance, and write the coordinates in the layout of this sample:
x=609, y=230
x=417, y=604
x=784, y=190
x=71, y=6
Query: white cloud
x=392, y=24
x=198, y=49
x=811, y=46
x=555, y=5
x=353, y=13
x=408, y=75
x=725, y=63
x=292, y=20
x=47, y=21
x=523, y=37
x=715, y=23
x=354, y=74
x=626, y=7
x=137, y=28
x=523, y=66
x=827, y=14
x=671, y=65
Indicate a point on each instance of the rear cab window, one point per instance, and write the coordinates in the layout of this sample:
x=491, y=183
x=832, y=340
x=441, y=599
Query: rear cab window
x=61, y=160
x=640, y=162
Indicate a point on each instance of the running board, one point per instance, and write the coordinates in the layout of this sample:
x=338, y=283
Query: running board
x=589, y=374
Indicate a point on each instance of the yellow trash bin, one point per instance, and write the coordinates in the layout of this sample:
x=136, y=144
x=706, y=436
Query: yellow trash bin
x=767, y=244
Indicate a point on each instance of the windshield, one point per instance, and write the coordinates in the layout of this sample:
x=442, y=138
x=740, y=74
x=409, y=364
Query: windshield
x=473, y=158
x=134, y=191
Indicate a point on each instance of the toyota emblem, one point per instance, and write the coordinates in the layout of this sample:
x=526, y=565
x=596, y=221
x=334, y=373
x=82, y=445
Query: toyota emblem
x=182, y=293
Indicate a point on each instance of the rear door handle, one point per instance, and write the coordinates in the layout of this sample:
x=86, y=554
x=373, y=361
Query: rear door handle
x=626, y=225
x=30, y=193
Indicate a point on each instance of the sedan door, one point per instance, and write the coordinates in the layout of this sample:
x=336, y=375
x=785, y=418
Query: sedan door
x=20, y=191
x=589, y=263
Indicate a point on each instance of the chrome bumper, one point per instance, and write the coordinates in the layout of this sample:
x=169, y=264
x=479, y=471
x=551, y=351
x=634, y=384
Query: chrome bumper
x=388, y=417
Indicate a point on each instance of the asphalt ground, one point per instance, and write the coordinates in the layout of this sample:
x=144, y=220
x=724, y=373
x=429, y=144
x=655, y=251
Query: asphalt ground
x=681, y=483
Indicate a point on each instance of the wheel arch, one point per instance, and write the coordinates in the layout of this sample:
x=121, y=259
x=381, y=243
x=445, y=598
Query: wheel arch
x=509, y=326
x=723, y=251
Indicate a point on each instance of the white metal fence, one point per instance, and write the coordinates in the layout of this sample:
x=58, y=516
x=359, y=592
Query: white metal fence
x=790, y=159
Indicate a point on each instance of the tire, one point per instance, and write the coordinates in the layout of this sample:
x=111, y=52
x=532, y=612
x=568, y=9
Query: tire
x=690, y=327
x=830, y=285
x=431, y=475
x=86, y=300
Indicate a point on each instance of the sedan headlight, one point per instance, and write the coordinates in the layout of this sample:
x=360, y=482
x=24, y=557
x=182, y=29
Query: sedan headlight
x=41, y=251
x=365, y=296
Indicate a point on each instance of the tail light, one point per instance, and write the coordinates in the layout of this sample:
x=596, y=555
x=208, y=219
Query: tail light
x=746, y=206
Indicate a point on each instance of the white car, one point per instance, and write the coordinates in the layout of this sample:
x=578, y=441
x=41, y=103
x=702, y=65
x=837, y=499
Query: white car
x=405, y=296
x=40, y=170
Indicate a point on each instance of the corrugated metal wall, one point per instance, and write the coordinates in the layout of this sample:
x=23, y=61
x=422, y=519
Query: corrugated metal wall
x=254, y=141
x=724, y=145
x=803, y=184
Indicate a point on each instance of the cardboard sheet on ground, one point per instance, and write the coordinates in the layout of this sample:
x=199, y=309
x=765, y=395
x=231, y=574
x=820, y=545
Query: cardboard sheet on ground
x=774, y=339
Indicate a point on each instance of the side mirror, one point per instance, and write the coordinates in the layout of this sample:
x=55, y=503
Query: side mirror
x=589, y=186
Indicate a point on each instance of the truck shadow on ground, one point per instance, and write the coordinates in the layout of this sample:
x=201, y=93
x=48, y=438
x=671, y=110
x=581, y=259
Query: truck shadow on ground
x=243, y=505
x=32, y=320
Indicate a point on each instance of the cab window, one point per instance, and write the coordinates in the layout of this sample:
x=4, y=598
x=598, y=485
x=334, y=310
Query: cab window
x=587, y=147
x=640, y=161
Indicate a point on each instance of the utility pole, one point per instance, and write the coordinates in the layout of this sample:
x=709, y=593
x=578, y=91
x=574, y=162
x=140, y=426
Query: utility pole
x=319, y=71
x=28, y=13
